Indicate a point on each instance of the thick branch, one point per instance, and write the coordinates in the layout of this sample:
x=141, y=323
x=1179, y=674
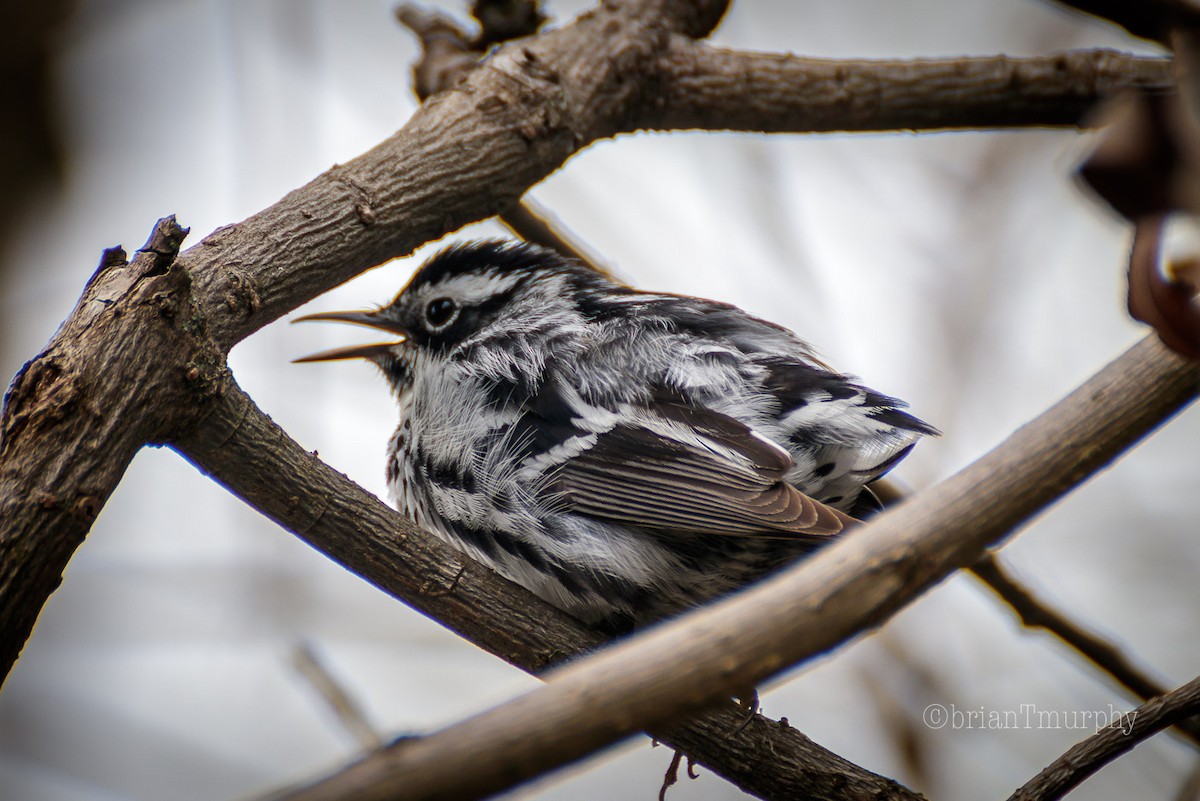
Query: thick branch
x=707, y=87
x=129, y=364
x=846, y=588
x=1087, y=757
x=257, y=461
x=476, y=148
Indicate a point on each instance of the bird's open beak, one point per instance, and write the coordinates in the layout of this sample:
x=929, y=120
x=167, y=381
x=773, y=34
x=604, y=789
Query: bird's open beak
x=371, y=319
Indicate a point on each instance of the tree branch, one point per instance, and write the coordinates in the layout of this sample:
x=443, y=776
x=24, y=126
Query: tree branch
x=129, y=364
x=1034, y=613
x=463, y=156
x=1087, y=757
x=850, y=586
x=447, y=53
x=257, y=461
x=707, y=86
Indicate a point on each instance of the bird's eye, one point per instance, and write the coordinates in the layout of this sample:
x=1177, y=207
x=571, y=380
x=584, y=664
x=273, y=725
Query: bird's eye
x=440, y=312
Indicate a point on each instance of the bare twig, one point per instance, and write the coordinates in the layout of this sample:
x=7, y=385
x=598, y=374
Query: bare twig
x=501, y=20
x=1036, y=613
x=1087, y=757
x=336, y=697
x=850, y=586
x=532, y=223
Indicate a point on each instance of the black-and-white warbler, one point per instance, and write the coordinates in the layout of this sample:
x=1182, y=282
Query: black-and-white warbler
x=623, y=454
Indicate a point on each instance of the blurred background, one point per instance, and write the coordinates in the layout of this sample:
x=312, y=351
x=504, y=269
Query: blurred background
x=966, y=273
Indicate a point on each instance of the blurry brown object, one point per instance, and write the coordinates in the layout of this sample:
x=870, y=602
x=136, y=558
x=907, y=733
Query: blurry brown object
x=1147, y=167
x=1146, y=19
x=1164, y=292
x=29, y=147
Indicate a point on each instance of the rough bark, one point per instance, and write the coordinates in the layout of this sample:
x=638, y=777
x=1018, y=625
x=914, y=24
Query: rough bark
x=778, y=92
x=129, y=365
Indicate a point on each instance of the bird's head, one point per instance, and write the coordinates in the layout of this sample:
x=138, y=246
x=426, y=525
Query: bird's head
x=458, y=294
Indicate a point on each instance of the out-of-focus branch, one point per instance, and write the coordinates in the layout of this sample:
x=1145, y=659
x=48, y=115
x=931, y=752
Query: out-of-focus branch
x=1036, y=613
x=347, y=711
x=257, y=461
x=1146, y=19
x=708, y=87
x=1087, y=757
x=533, y=224
x=850, y=586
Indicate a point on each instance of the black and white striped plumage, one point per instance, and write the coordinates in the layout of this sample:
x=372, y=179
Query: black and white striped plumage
x=623, y=454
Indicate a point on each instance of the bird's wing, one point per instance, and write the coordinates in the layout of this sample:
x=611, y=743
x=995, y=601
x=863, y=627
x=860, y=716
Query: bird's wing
x=672, y=467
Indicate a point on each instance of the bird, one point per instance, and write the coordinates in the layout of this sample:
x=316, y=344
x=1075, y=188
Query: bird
x=624, y=454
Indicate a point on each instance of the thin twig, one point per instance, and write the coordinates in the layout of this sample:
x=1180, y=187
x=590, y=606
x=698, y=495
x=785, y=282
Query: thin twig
x=533, y=224
x=348, y=712
x=1036, y=613
x=1087, y=757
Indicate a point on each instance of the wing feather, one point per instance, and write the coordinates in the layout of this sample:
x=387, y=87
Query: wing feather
x=678, y=468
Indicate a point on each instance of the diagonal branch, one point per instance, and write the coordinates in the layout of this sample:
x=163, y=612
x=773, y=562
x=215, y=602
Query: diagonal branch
x=257, y=461
x=129, y=364
x=850, y=586
x=463, y=156
x=1087, y=757
x=1104, y=654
